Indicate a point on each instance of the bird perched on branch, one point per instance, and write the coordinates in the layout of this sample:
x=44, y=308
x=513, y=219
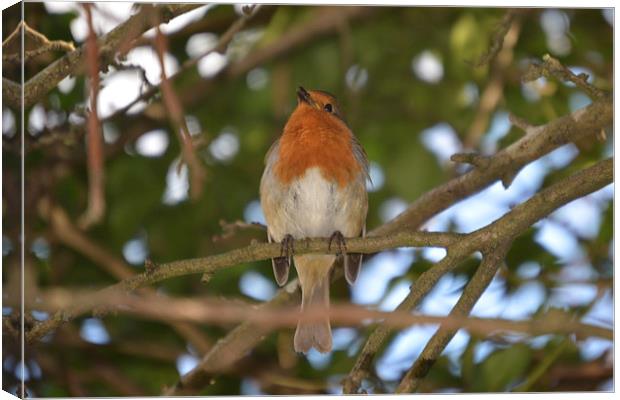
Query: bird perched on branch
x=314, y=185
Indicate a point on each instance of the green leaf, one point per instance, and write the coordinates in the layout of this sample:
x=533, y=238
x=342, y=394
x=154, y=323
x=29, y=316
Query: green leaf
x=503, y=368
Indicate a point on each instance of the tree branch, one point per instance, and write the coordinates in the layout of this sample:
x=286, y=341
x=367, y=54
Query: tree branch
x=504, y=229
x=223, y=312
x=552, y=67
x=538, y=141
x=71, y=63
x=497, y=41
x=253, y=252
x=500, y=55
x=96, y=171
x=45, y=45
x=12, y=93
x=175, y=114
x=459, y=246
x=327, y=22
x=472, y=292
x=232, y=347
x=220, y=46
x=70, y=236
x=283, y=312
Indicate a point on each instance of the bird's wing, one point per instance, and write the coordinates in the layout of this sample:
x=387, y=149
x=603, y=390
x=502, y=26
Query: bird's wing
x=360, y=156
x=273, y=151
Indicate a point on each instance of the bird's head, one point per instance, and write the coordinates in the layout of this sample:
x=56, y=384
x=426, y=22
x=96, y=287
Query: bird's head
x=316, y=110
x=317, y=100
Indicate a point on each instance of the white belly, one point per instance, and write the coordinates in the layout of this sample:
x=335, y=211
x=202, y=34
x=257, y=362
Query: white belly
x=312, y=207
x=315, y=206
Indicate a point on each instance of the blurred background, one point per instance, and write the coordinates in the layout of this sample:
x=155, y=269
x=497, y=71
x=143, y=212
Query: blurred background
x=410, y=89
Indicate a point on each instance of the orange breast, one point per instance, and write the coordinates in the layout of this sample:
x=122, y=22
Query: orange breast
x=310, y=141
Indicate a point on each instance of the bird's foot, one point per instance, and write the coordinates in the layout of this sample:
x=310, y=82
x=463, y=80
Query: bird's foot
x=287, y=247
x=340, y=242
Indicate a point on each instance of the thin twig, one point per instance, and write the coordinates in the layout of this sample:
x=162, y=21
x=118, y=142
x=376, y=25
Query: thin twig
x=572, y=377
x=9, y=328
x=500, y=56
x=14, y=37
x=474, y=159
x=497, y=41
x=520, y=123
x=175, y=113
x=230, y=228
x=44, y=45
x=551, y=67
x=96, y=172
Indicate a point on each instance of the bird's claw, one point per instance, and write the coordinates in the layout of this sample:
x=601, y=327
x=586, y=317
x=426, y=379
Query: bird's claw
x=338, y=237
x=287, y=247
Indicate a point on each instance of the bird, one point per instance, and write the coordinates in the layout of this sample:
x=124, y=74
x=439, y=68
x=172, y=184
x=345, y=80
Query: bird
x=314, y=185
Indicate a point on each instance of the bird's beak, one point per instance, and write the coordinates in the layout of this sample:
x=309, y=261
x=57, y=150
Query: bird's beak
x=304, y=96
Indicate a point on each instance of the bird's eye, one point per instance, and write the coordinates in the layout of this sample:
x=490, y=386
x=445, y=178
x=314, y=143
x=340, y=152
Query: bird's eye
x=328, y=107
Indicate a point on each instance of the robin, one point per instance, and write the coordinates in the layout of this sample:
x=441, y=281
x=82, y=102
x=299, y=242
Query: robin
x=314, y=185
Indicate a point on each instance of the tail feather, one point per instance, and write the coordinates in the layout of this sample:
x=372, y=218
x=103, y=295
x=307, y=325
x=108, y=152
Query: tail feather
x=352, y=265
x=315, y=333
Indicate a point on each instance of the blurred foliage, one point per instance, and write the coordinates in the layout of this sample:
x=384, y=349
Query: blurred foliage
x=386, y=104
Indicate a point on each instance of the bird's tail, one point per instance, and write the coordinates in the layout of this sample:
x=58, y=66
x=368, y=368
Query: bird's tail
x=314, y=277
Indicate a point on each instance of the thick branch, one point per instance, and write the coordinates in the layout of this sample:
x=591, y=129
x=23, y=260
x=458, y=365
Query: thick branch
x=537, y=142
x=71, y=63
x=504, y=229
x=12, y=93
x=253, y=252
